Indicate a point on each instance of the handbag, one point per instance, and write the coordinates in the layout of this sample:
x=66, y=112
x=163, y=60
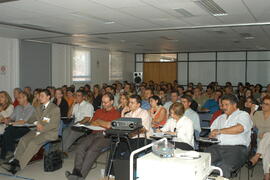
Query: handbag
x=52, y=161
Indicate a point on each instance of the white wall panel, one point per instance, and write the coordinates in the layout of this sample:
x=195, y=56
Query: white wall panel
x=230, y=71
x=9, y=59
x=182, y=73
x=202, y=56
x=203, y=72
x=182, y=56
x=228, y=56
x=259, y=55
x=258, y=72
x=139, y=67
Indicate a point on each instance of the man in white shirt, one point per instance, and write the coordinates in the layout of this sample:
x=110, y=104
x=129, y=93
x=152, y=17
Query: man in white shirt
x=192, y=115
x=174, y=98
x=233, y=130
x=82, y=113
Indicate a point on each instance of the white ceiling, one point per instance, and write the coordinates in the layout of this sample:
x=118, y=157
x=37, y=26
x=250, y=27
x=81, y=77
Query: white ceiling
x=139, y=25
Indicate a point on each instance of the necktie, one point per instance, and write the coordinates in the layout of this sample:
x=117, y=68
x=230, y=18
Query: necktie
x=43, y=108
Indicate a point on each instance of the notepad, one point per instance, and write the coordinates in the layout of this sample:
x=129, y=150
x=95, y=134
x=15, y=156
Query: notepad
x=94, y=128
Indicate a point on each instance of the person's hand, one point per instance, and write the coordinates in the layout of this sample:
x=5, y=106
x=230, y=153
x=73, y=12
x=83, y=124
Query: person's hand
x=170, y=133
x=214, y=133
x=158, y=130
x=126, y=109
x=261, y=135
x=40, y=128
x=252, y=109
x=94, y=123
x=6, y=120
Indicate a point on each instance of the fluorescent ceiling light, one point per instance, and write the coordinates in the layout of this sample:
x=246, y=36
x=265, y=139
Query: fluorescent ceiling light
x=89, y=16
x=109, y=22
x=249, y=37
x=212, y=7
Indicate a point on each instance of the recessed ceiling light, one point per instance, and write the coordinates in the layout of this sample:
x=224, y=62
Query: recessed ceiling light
x=212, y=7
x=80, y=35
x=109, y=22
x=249, y=37
x=221, y=14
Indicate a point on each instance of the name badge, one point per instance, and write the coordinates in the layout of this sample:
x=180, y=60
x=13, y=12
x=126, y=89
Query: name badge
x=45, y=119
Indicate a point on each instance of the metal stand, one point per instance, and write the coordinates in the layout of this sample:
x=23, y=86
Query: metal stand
x=115, y=136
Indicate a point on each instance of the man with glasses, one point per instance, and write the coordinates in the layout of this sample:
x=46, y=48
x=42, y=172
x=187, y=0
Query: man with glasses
x=91, y=147
x=82, y=112
x=233, y=130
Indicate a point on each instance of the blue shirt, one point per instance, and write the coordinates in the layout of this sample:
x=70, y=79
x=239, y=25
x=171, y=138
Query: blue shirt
x=145, y=105
x=212, y=105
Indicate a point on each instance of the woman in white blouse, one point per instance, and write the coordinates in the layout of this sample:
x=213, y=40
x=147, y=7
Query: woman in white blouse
x=180, y=126
x=6, y=109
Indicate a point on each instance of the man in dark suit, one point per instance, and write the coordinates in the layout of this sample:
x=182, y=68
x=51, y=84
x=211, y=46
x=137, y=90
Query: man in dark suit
x=47, y=122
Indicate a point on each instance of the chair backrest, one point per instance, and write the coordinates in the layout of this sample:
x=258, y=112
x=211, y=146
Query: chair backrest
x=253, y=143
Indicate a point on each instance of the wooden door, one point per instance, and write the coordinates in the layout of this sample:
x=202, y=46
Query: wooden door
x=158, y=71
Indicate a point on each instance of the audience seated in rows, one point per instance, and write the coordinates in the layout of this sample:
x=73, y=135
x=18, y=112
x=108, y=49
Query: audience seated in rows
x=160, y=105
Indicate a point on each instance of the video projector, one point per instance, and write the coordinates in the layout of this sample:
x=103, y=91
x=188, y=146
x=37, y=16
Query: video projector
x=126, y=123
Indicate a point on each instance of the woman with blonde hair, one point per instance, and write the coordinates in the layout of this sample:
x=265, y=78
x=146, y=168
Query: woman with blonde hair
x=36, y=103
x=123, y=101
x=6, y=109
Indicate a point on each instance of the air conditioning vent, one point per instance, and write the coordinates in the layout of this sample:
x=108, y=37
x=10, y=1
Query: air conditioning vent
x=6, y=1
x=212, y=7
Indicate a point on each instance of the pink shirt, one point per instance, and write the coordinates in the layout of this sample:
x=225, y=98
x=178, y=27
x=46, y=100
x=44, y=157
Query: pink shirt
x=146, y=120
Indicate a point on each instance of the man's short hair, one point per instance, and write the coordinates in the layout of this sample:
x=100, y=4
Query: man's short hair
x=182, y=87
x=210, y=87
x=109, y=95
x=82, y=91
x=149, y=89
x=46, y=91
x=187, y=97
x=137, y=97
x=175, y=92
x=25, y=94
x=70, y=89
x=221, y=92
x=230, y=97
x=189, y=91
